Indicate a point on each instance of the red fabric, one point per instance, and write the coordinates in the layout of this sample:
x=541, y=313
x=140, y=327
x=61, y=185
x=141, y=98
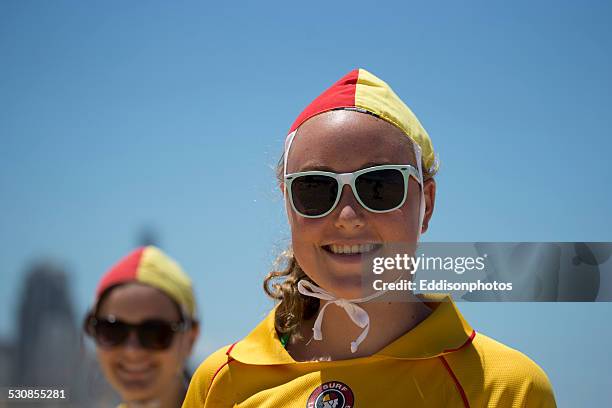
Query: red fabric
x=229, y=350
x=229, y=360
x=339, y=95
x=124, y=271
x=466, y=403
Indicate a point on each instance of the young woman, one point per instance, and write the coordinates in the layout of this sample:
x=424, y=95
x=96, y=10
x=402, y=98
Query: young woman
x=357, y=175
x=143, y=323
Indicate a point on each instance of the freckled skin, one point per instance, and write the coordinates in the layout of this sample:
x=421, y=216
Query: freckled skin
x=135, y=303
x=346, y=141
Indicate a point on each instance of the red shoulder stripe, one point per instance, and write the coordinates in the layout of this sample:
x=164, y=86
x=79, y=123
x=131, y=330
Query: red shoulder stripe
x=229, y=350
x=468, y=341
x=229, y=360
x=466, y=403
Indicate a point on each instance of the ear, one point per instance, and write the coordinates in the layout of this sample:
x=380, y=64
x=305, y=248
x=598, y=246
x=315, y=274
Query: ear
x=286, y=203
x=190, y=338
x=429, y=189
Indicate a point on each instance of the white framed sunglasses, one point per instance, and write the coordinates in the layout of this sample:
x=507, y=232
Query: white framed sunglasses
x=379, y=189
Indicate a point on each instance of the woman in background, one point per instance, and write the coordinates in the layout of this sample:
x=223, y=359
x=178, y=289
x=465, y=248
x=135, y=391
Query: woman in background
x=143, y=323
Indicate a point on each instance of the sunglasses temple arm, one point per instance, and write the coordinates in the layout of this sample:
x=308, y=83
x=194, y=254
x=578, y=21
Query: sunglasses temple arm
x=288, y=143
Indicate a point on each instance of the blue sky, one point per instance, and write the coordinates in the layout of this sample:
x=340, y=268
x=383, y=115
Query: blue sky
x=120, y=115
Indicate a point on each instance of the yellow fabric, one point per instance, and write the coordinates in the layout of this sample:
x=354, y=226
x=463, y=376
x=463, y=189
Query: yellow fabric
x=374, y=95
x=162, y=272
x=410, y=371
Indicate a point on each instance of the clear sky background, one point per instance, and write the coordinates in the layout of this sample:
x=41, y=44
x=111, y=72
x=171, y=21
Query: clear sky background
x=115, y=116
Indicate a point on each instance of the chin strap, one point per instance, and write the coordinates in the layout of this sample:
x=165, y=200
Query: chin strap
x=417, y=153
x=357, y=314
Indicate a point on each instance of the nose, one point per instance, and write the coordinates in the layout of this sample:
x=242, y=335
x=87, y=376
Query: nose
x=132, y=344
x=350, y=213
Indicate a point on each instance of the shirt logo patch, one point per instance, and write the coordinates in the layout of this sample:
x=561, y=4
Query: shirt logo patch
x=332, y=394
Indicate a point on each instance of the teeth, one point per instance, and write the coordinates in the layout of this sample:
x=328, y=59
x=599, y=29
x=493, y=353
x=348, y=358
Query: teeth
x=351, y=249
x=135, y=367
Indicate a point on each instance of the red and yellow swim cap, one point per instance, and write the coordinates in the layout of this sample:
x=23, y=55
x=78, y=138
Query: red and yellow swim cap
x=362, y=90
x=151, y=266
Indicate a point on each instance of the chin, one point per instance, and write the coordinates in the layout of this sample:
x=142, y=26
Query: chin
x=342, y=285
x=138, y=391
x=142, y=397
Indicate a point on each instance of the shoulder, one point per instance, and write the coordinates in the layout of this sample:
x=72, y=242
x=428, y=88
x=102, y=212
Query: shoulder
x=502, y=375
x=209, y=371
x=505, y=363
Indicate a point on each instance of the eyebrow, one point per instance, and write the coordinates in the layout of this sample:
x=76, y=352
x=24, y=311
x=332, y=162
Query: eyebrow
x=319, y=167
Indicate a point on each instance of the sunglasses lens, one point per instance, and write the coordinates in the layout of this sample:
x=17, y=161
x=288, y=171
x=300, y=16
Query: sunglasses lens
x=314, y=194
x=110, y=333
x=155, y=334
x=381, y=190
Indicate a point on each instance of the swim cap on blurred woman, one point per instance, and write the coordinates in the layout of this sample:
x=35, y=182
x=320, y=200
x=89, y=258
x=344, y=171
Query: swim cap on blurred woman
x=144, y=325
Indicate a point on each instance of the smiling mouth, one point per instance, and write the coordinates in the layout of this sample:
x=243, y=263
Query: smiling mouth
x=357, y=249
x=138, y=371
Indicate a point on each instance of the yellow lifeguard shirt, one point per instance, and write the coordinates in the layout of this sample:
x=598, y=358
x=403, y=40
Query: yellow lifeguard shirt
x=442, y=362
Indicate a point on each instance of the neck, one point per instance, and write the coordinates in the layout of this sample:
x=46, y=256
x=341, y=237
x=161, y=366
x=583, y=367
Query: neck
x=172, y=397
x=389, y=320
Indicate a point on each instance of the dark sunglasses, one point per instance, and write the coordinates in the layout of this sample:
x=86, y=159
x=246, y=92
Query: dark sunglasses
x=378, y=189
x=154, y=334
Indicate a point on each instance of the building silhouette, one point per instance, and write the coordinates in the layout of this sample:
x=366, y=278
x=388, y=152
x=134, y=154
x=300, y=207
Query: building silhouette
x=49, y=350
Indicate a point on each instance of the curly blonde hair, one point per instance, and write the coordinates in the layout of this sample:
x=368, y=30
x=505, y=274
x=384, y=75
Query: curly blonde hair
x=281, y=283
